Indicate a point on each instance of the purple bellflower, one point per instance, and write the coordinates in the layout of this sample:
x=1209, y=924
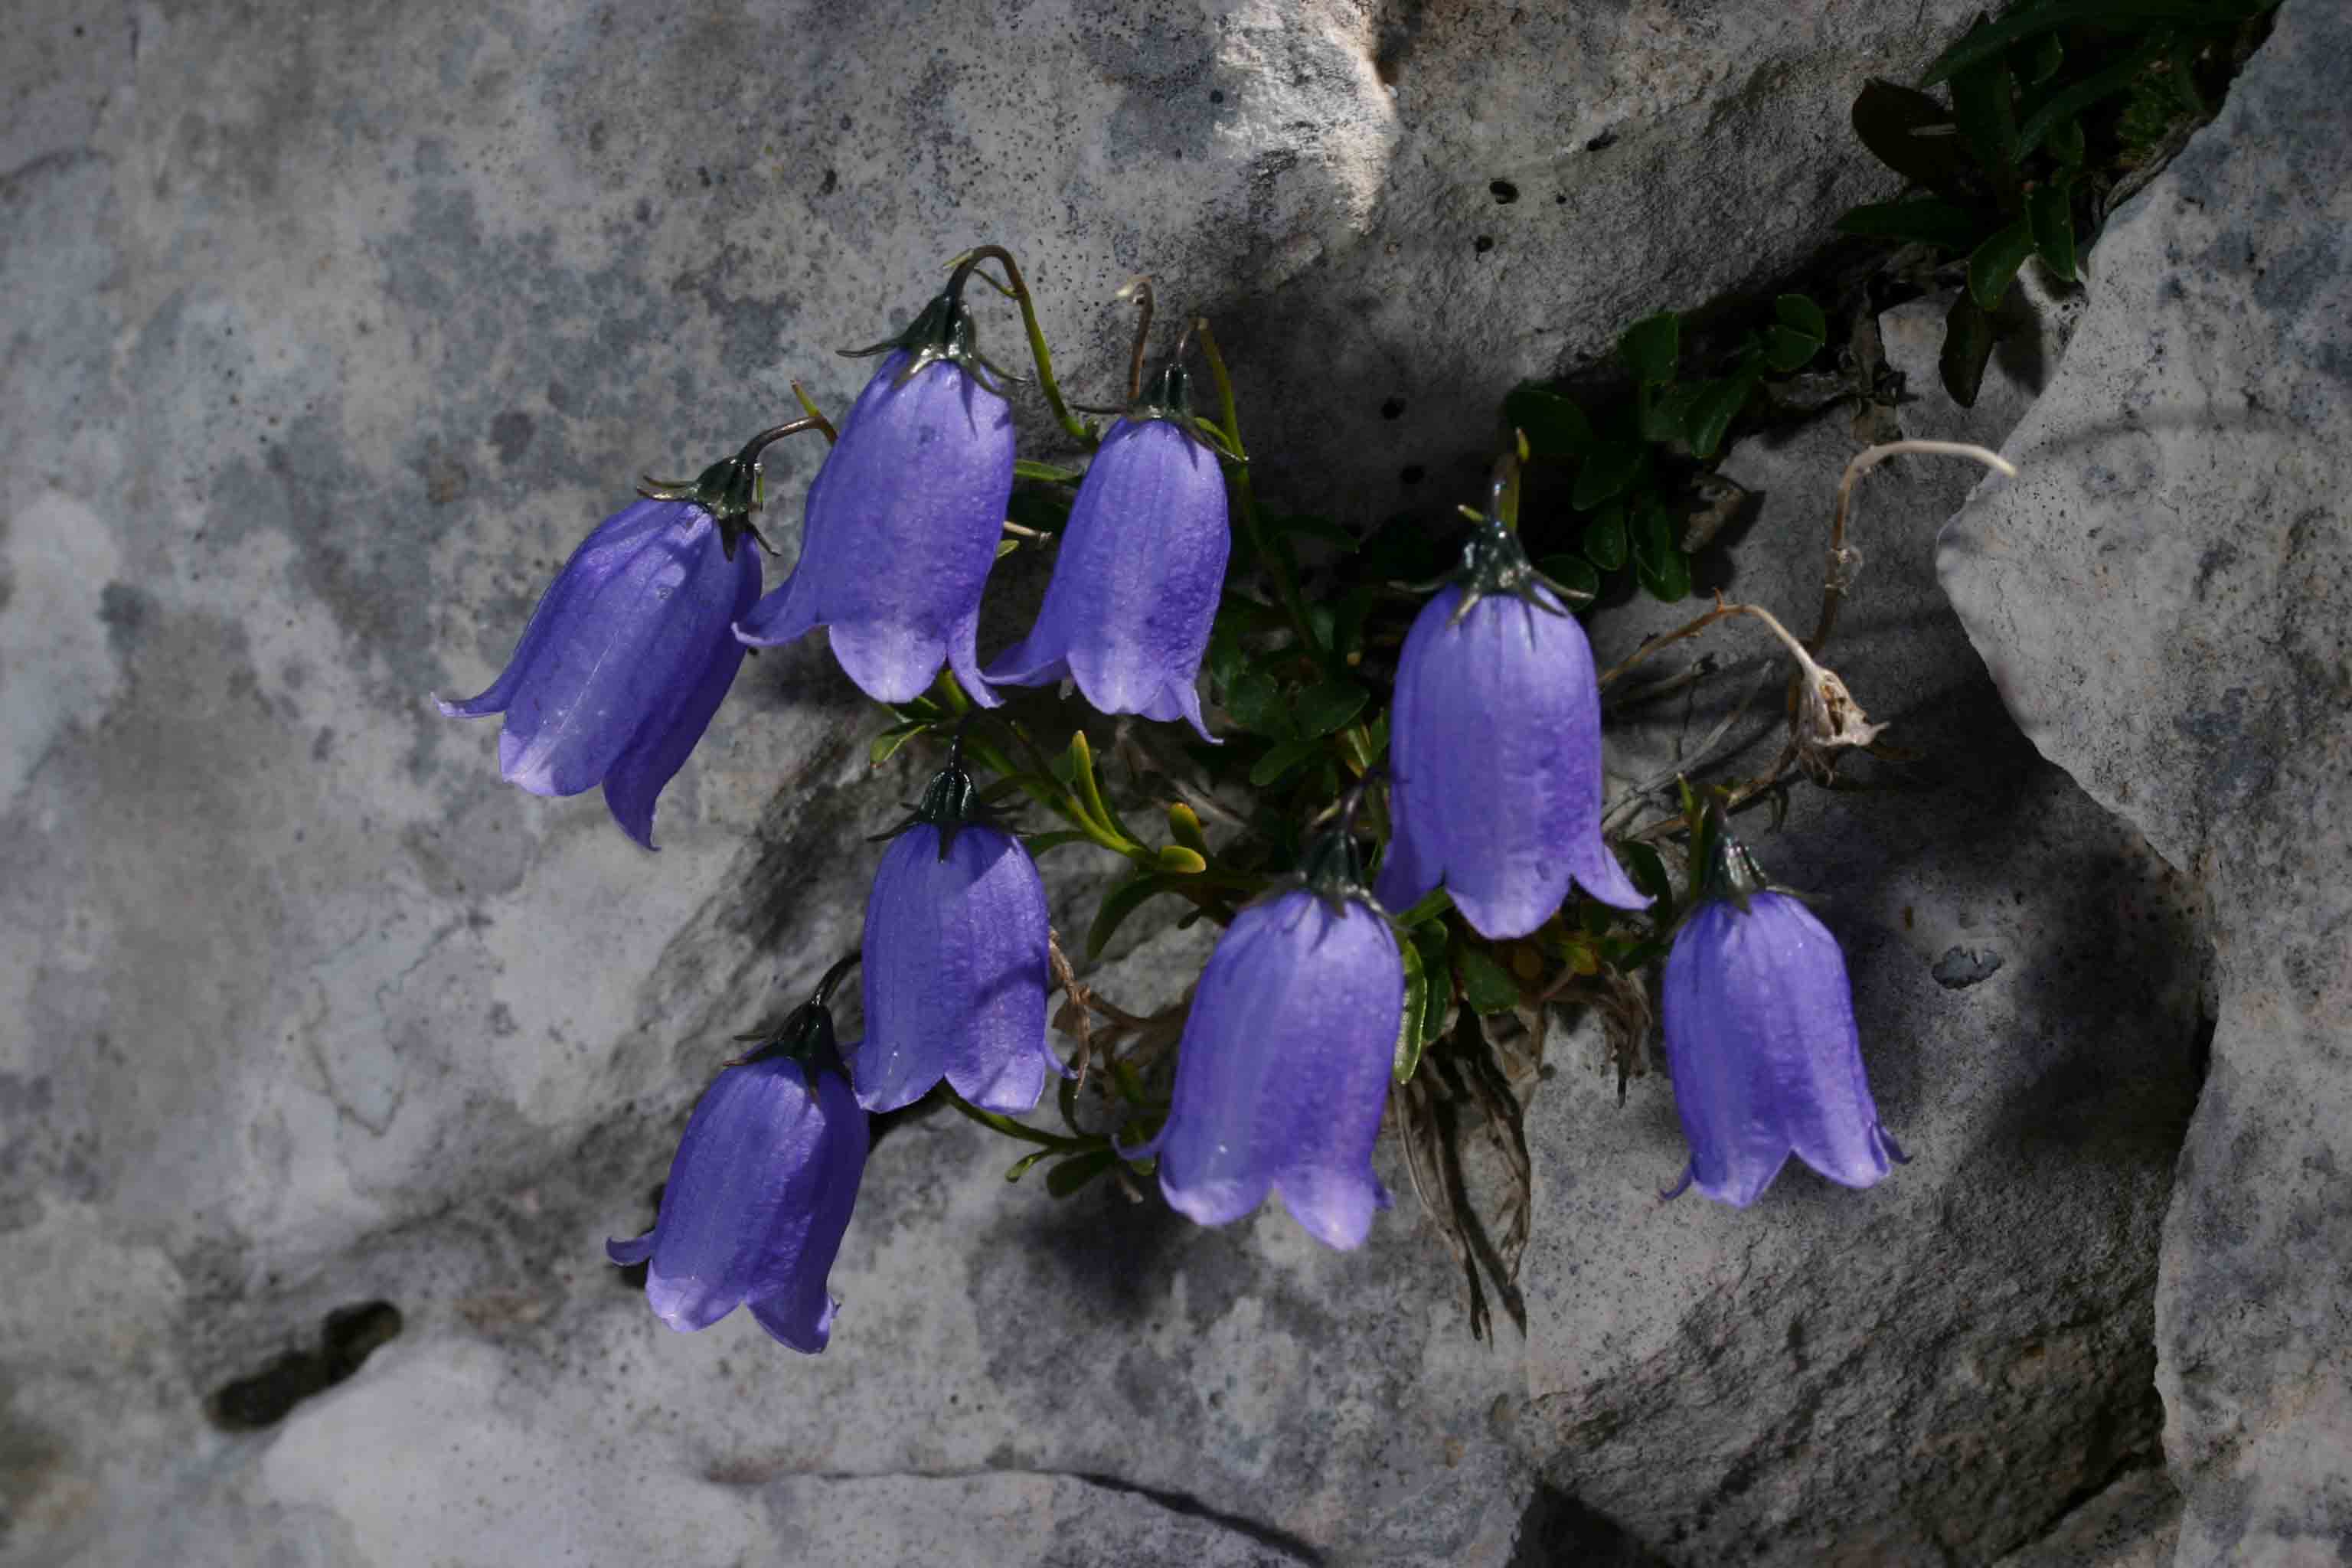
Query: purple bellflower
x=904, y=518
x=1761, y=1042
x=1284, y=1064
x=629, y=653
x=1494, y=749
x=760, y=1190
x=956, y=960
x=1142, y=564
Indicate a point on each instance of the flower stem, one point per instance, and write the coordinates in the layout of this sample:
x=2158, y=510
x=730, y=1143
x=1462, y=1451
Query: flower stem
x=1834, y=584
x=1012, y=1129
x=1018, y=291
x=1229, y=420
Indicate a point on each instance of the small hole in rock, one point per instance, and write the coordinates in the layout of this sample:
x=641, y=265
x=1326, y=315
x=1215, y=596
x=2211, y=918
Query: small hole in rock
x=348, y=1337
x=1216, y=95
x=1602, y=142
x=1483, y=244
x=1503, y=191
x=1392, y=409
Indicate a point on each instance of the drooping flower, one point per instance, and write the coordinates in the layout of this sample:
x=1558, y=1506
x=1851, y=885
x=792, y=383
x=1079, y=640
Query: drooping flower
x=760, y=1190
x=1142, y=564
x=1761, y=1042
x=1284, y=1064
x=904, y=518
x=1495, y=751
x=630, y=652
x=956, y=960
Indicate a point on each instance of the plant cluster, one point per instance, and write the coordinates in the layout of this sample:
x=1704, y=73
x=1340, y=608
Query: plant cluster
x=1392, y=805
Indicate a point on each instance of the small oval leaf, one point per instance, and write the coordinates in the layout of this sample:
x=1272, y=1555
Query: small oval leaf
x=1604, y=537
x=1650, y=347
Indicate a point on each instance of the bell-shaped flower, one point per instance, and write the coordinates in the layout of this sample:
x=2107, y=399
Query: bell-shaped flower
x=1140, y=565
x=1761, y=1042
x=956, y=960
x=630, y=652
x=1495, y=751
x=904, y=518
x=1283, y=1067
x=761, y=1190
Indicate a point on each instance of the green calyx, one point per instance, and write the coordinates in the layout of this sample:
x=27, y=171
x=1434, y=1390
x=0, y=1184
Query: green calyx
x=1495, y=564
x=1725, y=868
x=807, y=1037
x=951, y=803
x=942, y=332
x=1333, y=870
x=729, y=490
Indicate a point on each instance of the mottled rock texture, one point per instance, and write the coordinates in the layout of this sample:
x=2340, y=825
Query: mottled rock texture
x=1937, y=1370
x=2164, y=599
x=330, y=332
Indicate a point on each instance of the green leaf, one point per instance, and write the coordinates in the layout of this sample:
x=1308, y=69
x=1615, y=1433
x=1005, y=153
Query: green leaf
x=1225, y=657
x=1993, y=264
x=1665, y=411
x=1184, y=827
x=1313, y=527
x=1985, y=42
x=1255, y=702
x=1800, y=315
x=1604, y=537
x=1668, y=580
x=1409, y=1026
x=1910, y=134
x=1037, y=506
x=1786, y=349
x=1924, y=222
x=2066, y=143
x=1120, y=902
x=1985, y=110
x=2064, y=107
x=1067, y=1176
x=1020, y=1166
x=1431, y=942
x=1649, y=873
x=1573, y=572
x=1554, y=426
x=1486, y=985
x=1331, y=706
x=1650, y=347
x=1038, y=843
x=1606, y=473
x=1653, y=532
x=1968, y=345
x=885, y=744
x=1046, y=473
x=1282, y=758
x=2050, y=208
x=1712, y=410
x=2043, y=59
x=1180, y=861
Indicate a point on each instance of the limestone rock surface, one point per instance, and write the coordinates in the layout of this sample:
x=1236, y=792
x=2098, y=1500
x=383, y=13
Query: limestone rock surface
x=2164, y=601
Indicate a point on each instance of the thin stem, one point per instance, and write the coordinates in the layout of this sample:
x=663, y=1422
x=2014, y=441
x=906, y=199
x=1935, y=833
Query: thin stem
x=809, y=408
x=1139, y=290
x=1012, y=1129
x=1019, y=292
x=1834, y=584
x=1229, y=420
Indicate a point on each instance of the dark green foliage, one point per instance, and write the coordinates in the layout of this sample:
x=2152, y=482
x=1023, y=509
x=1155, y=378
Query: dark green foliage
x=2051, y=109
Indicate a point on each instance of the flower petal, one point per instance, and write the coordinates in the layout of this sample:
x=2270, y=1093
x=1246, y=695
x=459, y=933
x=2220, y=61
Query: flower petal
x=751, y=1137
x=624, y=654
x=1813, y=1065
x=1714, y=1050
x=788, y=1296
x=1283, y=1067
x=955, y=972
x=901, y=529
x=591, y=567
x=654, y=755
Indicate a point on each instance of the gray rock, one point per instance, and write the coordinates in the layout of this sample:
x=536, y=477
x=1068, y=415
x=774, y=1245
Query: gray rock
x=2162, y=599
x=1936, y=1370
x=2135, y=1523
x=330, y=334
